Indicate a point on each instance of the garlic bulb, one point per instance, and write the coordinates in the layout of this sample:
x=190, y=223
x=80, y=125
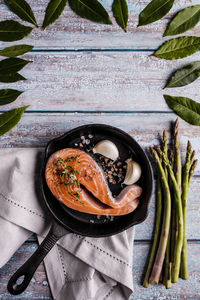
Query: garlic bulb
x=133, y=172
x=106, y=148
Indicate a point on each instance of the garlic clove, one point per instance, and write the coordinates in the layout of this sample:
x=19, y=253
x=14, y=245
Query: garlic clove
x=106, y=148
x=133, y=172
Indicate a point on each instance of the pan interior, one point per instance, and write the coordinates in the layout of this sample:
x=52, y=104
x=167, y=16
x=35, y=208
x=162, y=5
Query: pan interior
x=100, y=225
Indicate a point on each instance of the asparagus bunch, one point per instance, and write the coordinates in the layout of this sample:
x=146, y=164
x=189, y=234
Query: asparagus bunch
x=168, y=257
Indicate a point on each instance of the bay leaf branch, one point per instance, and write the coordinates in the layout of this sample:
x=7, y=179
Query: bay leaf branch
x=120, y=12
x=185, y=108
x=184, y=75
x=12, y=65
x=186, y=19
x=10, y=119
x=12, y=77
x=15, y=50
x=22, y=9
x=154, y=11
x=9, y=95
x=53, y=11
x=178, y=47
x=13, y=31
x=92, y=10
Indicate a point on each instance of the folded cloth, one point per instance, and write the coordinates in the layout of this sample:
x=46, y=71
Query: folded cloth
x=78, y=268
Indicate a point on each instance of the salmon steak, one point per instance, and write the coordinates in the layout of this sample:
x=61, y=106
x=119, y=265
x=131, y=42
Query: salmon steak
x=78, y=181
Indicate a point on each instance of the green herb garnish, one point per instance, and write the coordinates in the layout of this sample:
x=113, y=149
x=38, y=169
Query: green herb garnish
x=68, y=174
x=72, y=158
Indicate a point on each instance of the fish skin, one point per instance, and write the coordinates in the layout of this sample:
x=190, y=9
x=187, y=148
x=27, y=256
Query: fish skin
x=92, y=178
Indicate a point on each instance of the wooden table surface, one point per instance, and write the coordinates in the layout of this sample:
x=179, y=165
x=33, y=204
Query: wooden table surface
x=83, y=73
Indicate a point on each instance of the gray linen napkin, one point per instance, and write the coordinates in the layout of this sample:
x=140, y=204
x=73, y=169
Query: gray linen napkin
x=77, y=267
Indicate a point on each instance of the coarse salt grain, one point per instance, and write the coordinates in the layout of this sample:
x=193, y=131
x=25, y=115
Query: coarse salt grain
x=87, y=142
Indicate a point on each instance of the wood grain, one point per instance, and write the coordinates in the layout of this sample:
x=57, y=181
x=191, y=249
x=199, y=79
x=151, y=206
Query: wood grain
x=71, y=32
x=38, y=288
x=36, y=129
x=90, y=81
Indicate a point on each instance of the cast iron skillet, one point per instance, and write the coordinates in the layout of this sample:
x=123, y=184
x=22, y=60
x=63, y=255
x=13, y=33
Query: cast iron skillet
x=65, y=219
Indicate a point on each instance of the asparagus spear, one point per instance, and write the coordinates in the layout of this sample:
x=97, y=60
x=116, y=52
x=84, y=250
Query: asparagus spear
x=178, y=174
x=192, y=169
x=173, y=211
x=157, y=267
x=156, y=234
x=174, y=229
x=178, y=165
x=188, y=171
x=165, y=138
x=167, y=265
x=179, y=241
x=167, y=271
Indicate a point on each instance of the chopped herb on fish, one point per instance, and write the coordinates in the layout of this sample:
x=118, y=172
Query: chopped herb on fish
x=67, y=175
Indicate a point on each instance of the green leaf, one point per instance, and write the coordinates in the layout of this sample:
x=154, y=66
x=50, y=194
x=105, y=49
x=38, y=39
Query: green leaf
x=9, y=119
x=53, y=11
x=184, y=75
x=22, y=9
x=8, y=95
x=184, y=20
x=13, y=31
x=154, y=11
x=12, y=65
x=179, y=47
x=15, y=50
x=91, y=10
x=120, y=12
x=8, y=78
x=186, y=108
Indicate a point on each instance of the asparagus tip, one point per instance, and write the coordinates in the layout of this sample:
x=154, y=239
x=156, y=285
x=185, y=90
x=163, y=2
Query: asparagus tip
x=189, y=146
x=194, y=164
x=176, y=125
x=192, y=156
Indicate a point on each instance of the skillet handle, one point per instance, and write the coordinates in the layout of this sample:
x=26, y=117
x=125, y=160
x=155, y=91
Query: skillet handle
x=27, y=270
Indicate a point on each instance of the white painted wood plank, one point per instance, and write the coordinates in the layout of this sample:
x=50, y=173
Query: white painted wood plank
x=39, y=289
x=35, y=130
x=99, y=81
x=72, y=32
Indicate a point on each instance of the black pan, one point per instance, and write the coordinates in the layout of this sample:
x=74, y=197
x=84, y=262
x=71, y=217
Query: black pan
x=65, y=219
